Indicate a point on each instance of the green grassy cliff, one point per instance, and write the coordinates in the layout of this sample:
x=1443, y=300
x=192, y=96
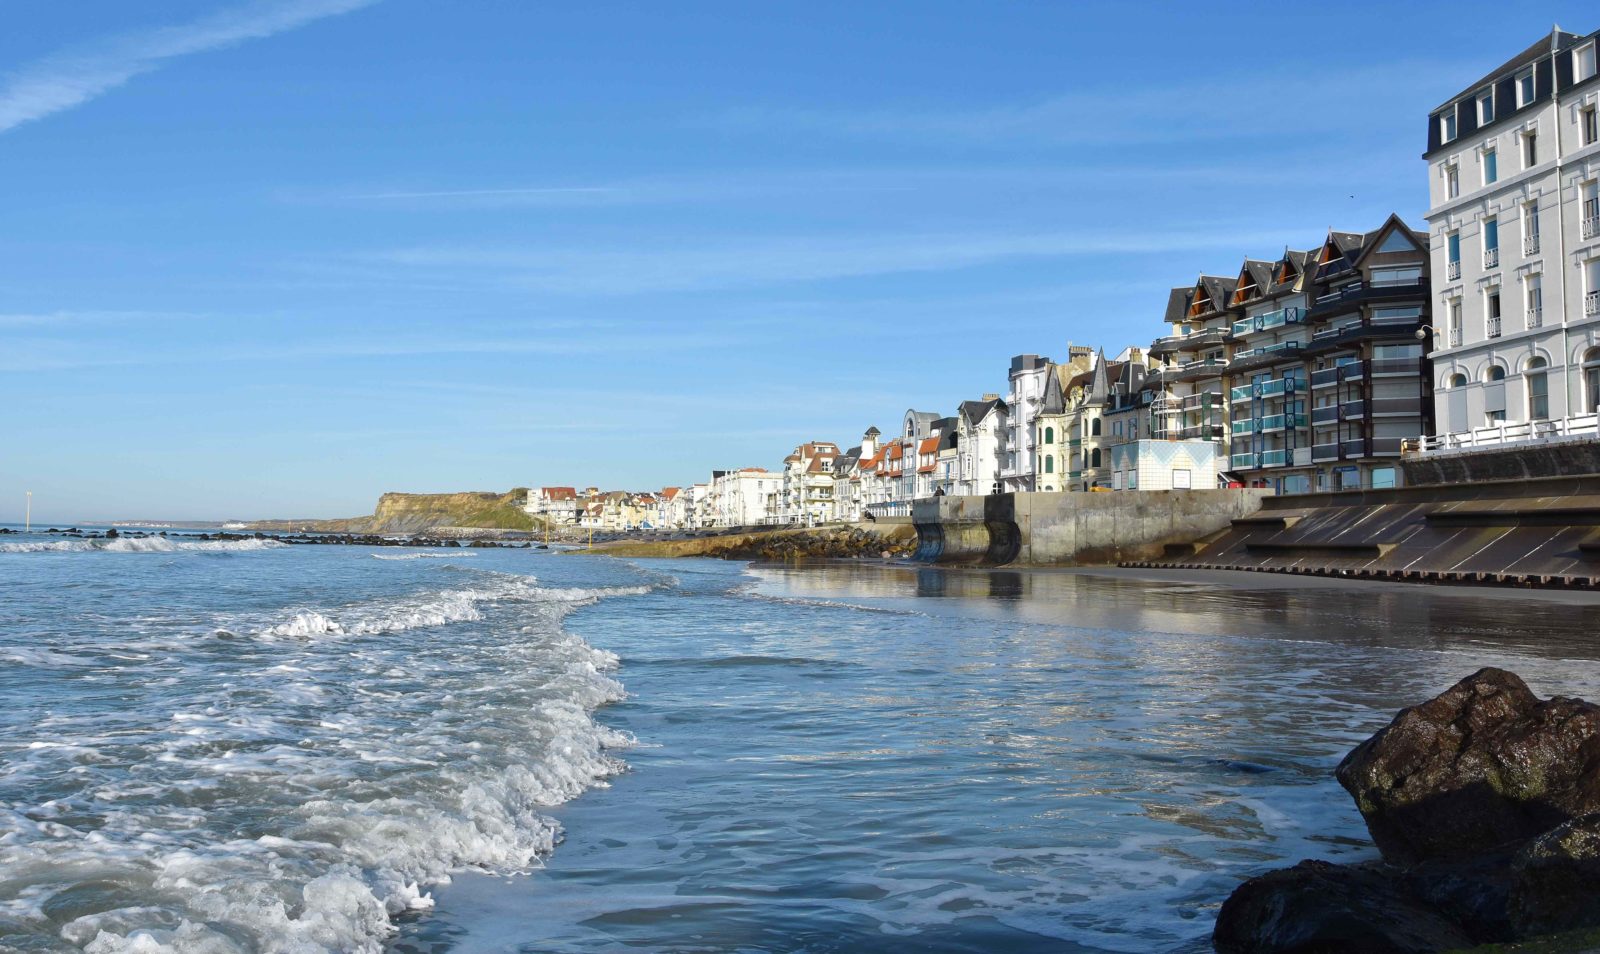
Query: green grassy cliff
x=418, y=513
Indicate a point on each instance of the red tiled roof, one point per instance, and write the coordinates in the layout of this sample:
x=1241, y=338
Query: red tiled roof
x=559, y=493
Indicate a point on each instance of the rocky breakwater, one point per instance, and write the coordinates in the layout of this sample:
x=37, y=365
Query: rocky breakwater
x=1485, y=805
x=780, y=545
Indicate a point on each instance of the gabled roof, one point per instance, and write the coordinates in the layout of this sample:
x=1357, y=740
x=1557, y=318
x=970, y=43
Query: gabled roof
x=1374, y=239
x=559, y=493
x=1178, y=304
x=928, y=445
x=1212, y=290
x=976, y=411
x=1255, y=280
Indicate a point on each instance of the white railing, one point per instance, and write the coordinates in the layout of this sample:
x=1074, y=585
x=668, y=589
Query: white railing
x=1491, y=257
x=1452, y=270
x=1591, y=226
x=1522, y=432
x=1530, y=245
x=1591, y=303
x=1494, y=327
x=1535, y=317
x=1455, y=337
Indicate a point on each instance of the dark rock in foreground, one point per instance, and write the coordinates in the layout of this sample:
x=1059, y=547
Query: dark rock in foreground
x=1485, y=803
x=1320, y=907
x=1485, y=765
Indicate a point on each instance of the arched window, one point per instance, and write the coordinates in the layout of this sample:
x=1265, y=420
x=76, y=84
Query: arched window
x=1049, y=465
x=1538, y=389
x=1494, y=373
x=1591, y=380
x=1094, y=455
x=1094, y=428
x=1049, y=435
x=1457, y=380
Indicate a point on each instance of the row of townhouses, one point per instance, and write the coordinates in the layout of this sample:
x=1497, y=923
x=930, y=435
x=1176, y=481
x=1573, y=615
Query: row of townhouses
x=1310, y=370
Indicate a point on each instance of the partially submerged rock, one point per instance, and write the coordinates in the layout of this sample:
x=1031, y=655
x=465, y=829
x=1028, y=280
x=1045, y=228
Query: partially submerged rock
x=1485, y=802
x=1484, y=765
x=1319, y=907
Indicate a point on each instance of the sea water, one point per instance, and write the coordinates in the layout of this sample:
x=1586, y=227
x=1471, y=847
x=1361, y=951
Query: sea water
x=252, y=747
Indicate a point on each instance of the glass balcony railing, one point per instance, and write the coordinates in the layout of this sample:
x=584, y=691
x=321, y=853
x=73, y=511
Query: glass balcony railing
x=1247, y=426
x=1242, y=393
x=1279, y=422
x=1275, y=458
x=1272, y=319
x=1245, y=461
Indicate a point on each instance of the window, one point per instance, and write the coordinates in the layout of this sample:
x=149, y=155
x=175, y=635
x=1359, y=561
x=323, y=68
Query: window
x=1525, y=87
x=1094, y=457
x=1447, y=125
x=1457, y=380
x=1586, y=123
x=1491, y=242
x=1491, y=166
x=1538, y=390
x=1409, y=275
x=1591, y=381
x=1383, y=478
x=1094, y=429
x=1133, y=480
x=1452, y=181
x=1583, y=65
x=1591, y=209
x=1492, y=315
x=1530, y=149
x=1486, y=107
x=1454, y=326
x=1116, y=429
x=1533, y=291
x=1049, y=435
x=1049, y=465
x=1453, y=256
x=1530, y=228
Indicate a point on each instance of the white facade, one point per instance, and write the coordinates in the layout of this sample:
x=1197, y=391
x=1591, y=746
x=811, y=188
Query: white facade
x=1514, y=226
x=1027, y=383
x=744, y=498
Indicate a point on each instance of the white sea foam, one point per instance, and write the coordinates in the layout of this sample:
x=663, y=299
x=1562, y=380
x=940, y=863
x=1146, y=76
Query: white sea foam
x=423, y=556
x=308, y=793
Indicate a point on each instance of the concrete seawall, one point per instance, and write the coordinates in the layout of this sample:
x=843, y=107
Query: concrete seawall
x=1518, y=532
x=1069, y=529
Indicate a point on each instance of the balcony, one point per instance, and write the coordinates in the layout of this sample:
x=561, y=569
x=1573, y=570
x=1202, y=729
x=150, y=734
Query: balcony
x=1391, y=367
x=1455, y=337
x=1353, y=448
x=1491, y=258
x=1264, y=389
x=1244, y=461
x=1352, y=410
x=1209, y=367
x=1262, y=357
x=1280, y=422
x=1324, y=377
x=1386, y=446
x=1241, y=393
x=1353, y=371
x=1582, y=427
x=1322, y=453
x=1249, y=425
x=1536, y=317
x=1452, y=271
x=1591, y=226
x=1325, y=415
x=1202, y=400
x=1275, y=458
x=1390, y=407
x=1166, y=345
x=1200, y=432
x=1272, y=319
x=1530, y=245
x=1492, y=327
x=1207, y=337
x=1591, y=304
x=1338, y=295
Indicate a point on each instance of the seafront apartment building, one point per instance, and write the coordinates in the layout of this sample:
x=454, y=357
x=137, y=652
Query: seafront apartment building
x=1307, y=372
x=1514, y=230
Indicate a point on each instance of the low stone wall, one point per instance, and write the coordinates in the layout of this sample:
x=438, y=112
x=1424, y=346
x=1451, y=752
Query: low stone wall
x=1518, y=462
x=1067, y=529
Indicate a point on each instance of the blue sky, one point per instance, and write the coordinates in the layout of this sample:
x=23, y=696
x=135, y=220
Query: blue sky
x=271, y=259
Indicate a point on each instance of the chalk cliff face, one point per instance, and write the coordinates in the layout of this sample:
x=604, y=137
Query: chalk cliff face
x=415, y=513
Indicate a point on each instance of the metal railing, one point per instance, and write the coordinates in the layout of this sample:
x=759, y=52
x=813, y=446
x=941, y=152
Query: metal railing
x=1382, y=406
x=1536, y=317
x=1591, y=226
x=1452, y=270
x=1353, y=410
x=1324, y=377
x=1321, y=453
x=1491, y=257
x=1591, y=303
x=1522, y=432
x=1345, y=292
x=1492, y=326
x=1325, y=415
x=1530, y=245
x=1203, y=399
x=1455, y=337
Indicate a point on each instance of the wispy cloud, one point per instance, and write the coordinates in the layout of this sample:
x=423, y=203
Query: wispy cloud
x=759, y=262
x=75, y=76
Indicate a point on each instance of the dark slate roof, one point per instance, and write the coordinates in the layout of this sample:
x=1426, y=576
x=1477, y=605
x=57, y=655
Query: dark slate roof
x=1054, y=402
x=1100, y=386
x=1178, y=303
x=1540, y=47
x=1220, y=289
x=976, y=411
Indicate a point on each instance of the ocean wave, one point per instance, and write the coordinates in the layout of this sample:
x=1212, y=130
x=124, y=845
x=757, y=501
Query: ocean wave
x=308, y=799
x=422, y=556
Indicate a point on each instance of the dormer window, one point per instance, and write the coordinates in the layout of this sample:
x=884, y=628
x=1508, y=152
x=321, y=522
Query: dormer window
x=1447, y=125
x=1486, y=107
x=1583, y=62
x=1525, y=87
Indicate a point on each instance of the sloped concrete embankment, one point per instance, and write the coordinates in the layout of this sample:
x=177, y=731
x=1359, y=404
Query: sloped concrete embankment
x=1542, y=533
x=1072, y=529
